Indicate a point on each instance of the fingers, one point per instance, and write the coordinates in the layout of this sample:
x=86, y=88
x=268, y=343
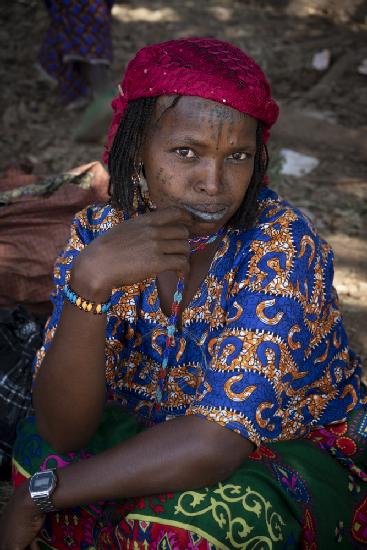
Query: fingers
x=177, y=231
x=149, y=229
x=171, y=215
x=175, y=262
x=176, y=246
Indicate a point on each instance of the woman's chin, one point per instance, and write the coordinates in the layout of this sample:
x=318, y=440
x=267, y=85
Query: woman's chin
x=202, y=229
x=203, y=223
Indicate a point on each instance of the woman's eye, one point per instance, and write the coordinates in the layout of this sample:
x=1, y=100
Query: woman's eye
x=241, y=155
x=185, y=152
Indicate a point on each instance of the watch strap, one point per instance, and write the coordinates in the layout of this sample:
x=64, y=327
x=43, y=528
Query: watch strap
x=43, y=500
x=45, y=504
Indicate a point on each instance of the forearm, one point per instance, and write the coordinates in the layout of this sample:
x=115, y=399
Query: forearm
x=69, y=391
x=172, y=456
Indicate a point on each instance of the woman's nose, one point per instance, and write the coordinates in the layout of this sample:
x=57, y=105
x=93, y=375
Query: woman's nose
x=210, y=178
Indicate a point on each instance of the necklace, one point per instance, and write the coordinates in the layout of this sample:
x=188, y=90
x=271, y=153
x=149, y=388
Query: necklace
x=196, y=244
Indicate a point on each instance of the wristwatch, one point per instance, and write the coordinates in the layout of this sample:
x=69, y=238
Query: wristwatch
x=41, y=487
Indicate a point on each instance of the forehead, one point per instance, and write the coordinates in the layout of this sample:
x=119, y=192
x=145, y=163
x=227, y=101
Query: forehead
x=193, y=113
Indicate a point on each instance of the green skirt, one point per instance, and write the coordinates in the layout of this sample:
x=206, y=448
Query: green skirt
x=308, y=493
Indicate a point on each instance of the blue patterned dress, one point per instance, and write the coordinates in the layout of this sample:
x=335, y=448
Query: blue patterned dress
x=262, y=351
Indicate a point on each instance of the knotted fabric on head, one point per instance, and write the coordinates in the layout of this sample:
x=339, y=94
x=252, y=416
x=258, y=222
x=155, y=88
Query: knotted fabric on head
x=203, y=67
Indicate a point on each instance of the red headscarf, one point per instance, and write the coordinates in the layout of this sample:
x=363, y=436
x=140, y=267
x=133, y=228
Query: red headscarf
x=203, y=67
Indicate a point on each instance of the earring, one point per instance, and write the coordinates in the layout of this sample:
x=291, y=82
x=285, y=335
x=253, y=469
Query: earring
x=135, y=199
x=143, y=188
x=142, y=182
x=136, y=191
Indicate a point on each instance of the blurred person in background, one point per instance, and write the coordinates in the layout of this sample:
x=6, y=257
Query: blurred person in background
x=76, y=52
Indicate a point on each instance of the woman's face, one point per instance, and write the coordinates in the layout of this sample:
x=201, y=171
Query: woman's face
x=199, y=155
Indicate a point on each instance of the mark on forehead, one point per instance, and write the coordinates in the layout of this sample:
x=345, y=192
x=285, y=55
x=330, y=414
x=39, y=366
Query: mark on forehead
x=220, y=116
x=196, y=107
x=216, y=117
x=224, y=113
x=216, y=112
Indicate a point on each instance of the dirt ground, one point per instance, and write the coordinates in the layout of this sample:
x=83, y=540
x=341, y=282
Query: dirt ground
x=282, y=36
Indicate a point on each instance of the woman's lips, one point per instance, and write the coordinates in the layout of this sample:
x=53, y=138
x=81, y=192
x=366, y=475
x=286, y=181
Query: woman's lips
x=207, y=213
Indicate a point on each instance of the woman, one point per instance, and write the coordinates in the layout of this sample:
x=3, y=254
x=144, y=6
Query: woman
x=212, y=400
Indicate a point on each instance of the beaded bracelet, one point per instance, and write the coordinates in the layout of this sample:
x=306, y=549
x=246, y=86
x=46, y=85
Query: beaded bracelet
x=85, y=305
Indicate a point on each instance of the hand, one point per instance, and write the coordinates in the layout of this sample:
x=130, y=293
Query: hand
x=20, y=521
x=132, y=251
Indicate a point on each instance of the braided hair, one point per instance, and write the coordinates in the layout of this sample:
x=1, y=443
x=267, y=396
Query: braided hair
x=129, y=139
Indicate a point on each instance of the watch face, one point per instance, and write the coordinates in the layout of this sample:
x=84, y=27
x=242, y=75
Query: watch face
x=42, y=482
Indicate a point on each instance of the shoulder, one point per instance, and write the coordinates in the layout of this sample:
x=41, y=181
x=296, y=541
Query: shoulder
x=277, y=215
x=281, y=229
x=96, y=219
x=281, y=251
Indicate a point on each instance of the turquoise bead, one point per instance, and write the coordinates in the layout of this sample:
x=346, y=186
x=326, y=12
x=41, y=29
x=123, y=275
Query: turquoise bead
x=177, y=297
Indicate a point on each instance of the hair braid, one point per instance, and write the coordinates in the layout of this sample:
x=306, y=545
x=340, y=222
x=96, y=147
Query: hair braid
x=122, y=163
x=246, y=214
